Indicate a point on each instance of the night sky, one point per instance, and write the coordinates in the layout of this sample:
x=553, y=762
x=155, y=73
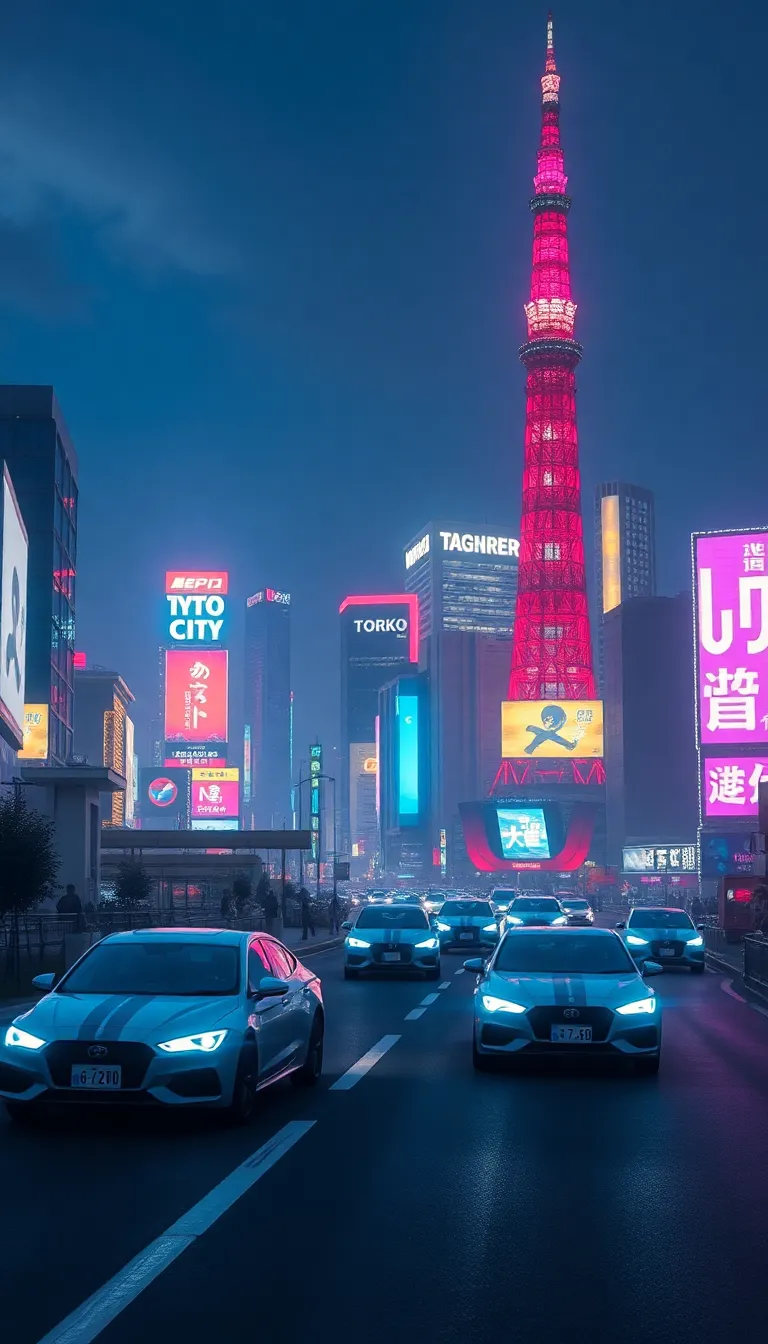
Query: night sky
x=273, y=255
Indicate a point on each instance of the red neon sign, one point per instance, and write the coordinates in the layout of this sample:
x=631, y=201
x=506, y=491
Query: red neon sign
x=196, y=695
x=200, y=581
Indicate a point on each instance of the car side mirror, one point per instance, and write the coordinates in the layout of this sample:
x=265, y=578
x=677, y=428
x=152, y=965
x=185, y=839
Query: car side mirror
x=652, y=968
x=271, y=988
x=701, y=927
x=347, y=924
x=45, y=982
x=475, y=964
x=620, y=925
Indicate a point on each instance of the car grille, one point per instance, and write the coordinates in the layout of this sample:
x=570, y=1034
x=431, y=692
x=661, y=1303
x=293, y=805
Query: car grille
x=133, y=1058
x=677, y=948
x=543, y=1019
x=405, y=950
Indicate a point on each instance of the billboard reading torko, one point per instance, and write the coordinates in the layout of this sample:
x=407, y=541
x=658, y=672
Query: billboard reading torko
x=551, y=728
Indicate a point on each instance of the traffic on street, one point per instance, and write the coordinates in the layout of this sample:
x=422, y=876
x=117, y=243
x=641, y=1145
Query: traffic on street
x=408, y=1193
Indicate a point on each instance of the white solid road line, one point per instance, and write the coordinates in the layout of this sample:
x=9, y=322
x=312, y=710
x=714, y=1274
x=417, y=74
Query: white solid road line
x=445, y=985
x=98, y=1311
x=431, y=998
x=364, y=1064
x=414, y=1014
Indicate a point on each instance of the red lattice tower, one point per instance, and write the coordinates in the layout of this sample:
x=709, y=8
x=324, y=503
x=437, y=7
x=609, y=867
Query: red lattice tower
x=552, y=649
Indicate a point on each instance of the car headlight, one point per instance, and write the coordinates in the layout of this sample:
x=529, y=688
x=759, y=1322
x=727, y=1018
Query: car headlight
x=634, y=941
x=513, y=919
x=357, y=942
x=491, y=928
x=428, y=942
x=23, y=1039
x=696, y=942
x=444, y=928
x=639, y=1006
x=206, y=1042
x=561, y=919
x=494, y=1005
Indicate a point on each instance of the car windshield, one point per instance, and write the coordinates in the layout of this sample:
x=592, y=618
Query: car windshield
x=563, y=954
x=540, y=905
x=190, y=970
x=467, y=908
x=392, y=917
x=572, y=904
x=659, y=919
x=503, y=895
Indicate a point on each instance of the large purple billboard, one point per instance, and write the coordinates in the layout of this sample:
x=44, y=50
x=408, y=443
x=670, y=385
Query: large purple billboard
x=731, y=575
x=730, y=785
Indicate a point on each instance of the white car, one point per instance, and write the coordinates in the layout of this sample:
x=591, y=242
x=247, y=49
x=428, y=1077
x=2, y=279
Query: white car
x=391, y=938
x=564, y=992
x=169, y=1017
x=666, y=935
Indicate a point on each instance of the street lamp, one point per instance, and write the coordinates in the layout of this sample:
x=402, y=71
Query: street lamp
x=331, y=780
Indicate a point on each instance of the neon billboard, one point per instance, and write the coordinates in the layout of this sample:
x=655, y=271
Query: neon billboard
x=731, y=595
x=196, y=695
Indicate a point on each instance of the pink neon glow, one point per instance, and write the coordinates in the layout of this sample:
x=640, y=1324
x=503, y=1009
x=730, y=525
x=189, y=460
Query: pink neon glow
x=410, y=600
x=729, y=785
x=732, y=627
x=552, y=648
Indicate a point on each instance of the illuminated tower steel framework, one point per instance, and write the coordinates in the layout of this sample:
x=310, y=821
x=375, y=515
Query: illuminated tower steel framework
x=552, y=649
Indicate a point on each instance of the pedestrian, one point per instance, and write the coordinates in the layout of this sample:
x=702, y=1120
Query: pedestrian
x=697, y=909
x=334, y=914
x=70, y=903
x=307, y=916
x=227, y=904
x=271, y=908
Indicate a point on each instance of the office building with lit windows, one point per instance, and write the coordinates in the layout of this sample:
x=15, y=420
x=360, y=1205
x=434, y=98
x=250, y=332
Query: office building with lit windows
x=104, y=735
x=267, y=710
x=41, y=458
x=625, y=551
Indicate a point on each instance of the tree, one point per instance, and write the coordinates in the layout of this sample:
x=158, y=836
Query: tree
x=241, y=889
x=133, y=885
x=262, y=889
x=29, y=863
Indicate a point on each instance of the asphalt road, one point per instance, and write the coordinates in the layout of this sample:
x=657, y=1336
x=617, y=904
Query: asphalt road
x=425, y=1202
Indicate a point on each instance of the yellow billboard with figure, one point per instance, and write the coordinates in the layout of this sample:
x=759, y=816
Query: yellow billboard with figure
x=35, y=746
x=554, y=728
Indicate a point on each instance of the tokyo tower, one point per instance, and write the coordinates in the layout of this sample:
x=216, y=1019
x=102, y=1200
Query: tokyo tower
x=552, y=649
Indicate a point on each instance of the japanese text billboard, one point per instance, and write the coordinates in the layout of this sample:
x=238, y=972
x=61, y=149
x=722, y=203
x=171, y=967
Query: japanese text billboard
x=551, y=728
x=35, y=746
x=659, y=859
x=730, y=785
x=731, y=581
x=196, y=695
x=215, y=792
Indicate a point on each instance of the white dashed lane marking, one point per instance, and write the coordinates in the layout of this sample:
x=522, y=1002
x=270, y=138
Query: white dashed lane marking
x=431, y=998
x=364, y=1064
x=460, y=971
x=414, y=1014
x=445, y=985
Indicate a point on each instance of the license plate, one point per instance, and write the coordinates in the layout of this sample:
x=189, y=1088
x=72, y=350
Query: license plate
x=390, y=956
x=96, y=1076
x=666, y=951
x=467, y=937
x=573, y=1035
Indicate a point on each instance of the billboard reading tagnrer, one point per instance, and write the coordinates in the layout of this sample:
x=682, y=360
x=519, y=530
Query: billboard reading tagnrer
x=551, y=728
x=731, y=596
x=13, y=617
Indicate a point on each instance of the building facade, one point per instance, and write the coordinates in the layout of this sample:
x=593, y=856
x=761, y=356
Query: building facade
x=625, y=550
x=465, y=577
x=41, y=457
x=104, y=735
x=650, y=743
x=267, y=764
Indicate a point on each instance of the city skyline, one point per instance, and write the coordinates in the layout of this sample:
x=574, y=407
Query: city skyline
x=169, y=312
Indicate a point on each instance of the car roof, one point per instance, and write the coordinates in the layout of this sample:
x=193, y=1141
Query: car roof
x=668, y=909
x=564, y=932
x=227, y=937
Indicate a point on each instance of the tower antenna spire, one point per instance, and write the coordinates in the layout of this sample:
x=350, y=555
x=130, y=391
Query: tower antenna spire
x=550, y=63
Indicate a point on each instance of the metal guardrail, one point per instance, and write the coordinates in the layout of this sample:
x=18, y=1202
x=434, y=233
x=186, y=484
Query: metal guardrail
x=756, y=963
x=715, y=941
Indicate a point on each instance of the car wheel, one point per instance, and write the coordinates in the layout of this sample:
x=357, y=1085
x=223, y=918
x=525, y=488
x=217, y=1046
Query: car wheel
x=648, y=1065
x=350, y=974
x=309, y=1073
x=242, y=1108
x=698, y=970
x=20, y=1113
x=483, y=1063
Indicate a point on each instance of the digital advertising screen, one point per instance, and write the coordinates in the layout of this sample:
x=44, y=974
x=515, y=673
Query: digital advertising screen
x=13, y=617
x=551, y=728
x=721, y=854
x=731, y=587
x=523, y=833
x=215, y=793
x=35, y=746
x=223, y=824
x=659, y=859
x=196, y=606
x=408, y=757
x=196, y=695
x=730, y=785
x=164, y=796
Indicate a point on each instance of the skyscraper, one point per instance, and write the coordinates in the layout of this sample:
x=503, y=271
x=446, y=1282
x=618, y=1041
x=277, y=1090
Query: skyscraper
x=552, y=651
x=41, y=457
x=267, y=710
x=625, y=550
x=465, y=577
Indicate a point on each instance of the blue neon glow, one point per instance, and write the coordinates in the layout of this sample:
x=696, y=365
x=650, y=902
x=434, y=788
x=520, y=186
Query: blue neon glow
x=523, y=832
x=408, y=742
